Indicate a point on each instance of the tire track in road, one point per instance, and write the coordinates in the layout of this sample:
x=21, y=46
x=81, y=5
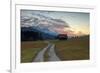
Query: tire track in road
x=51, y=53
x=40, y=56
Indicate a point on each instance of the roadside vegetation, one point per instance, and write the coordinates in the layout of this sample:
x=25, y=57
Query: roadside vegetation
x=73, y=48
x=30, y=49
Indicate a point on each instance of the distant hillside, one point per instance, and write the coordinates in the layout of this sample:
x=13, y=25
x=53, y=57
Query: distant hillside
x=32, y=33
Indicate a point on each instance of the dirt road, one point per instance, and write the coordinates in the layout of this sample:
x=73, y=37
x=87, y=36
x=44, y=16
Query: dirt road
x=51, y=53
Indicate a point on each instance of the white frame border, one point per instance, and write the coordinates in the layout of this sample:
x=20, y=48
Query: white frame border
x=76, y=64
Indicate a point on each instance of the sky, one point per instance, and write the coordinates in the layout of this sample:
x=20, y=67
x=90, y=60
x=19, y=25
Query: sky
x=78, y=22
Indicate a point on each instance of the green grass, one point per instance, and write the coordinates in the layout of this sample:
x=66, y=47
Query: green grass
x=73, y=49
x=30, y=49
x=27, y=55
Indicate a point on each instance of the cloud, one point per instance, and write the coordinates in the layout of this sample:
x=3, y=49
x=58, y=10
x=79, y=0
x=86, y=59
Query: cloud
x=69, y=31
x=32, y=18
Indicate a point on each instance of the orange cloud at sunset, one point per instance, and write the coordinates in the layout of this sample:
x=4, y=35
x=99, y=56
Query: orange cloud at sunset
x=69, y=31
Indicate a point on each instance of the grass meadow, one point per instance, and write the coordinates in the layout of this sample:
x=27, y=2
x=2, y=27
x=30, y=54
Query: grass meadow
x=71, y=49
x=30, y=49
